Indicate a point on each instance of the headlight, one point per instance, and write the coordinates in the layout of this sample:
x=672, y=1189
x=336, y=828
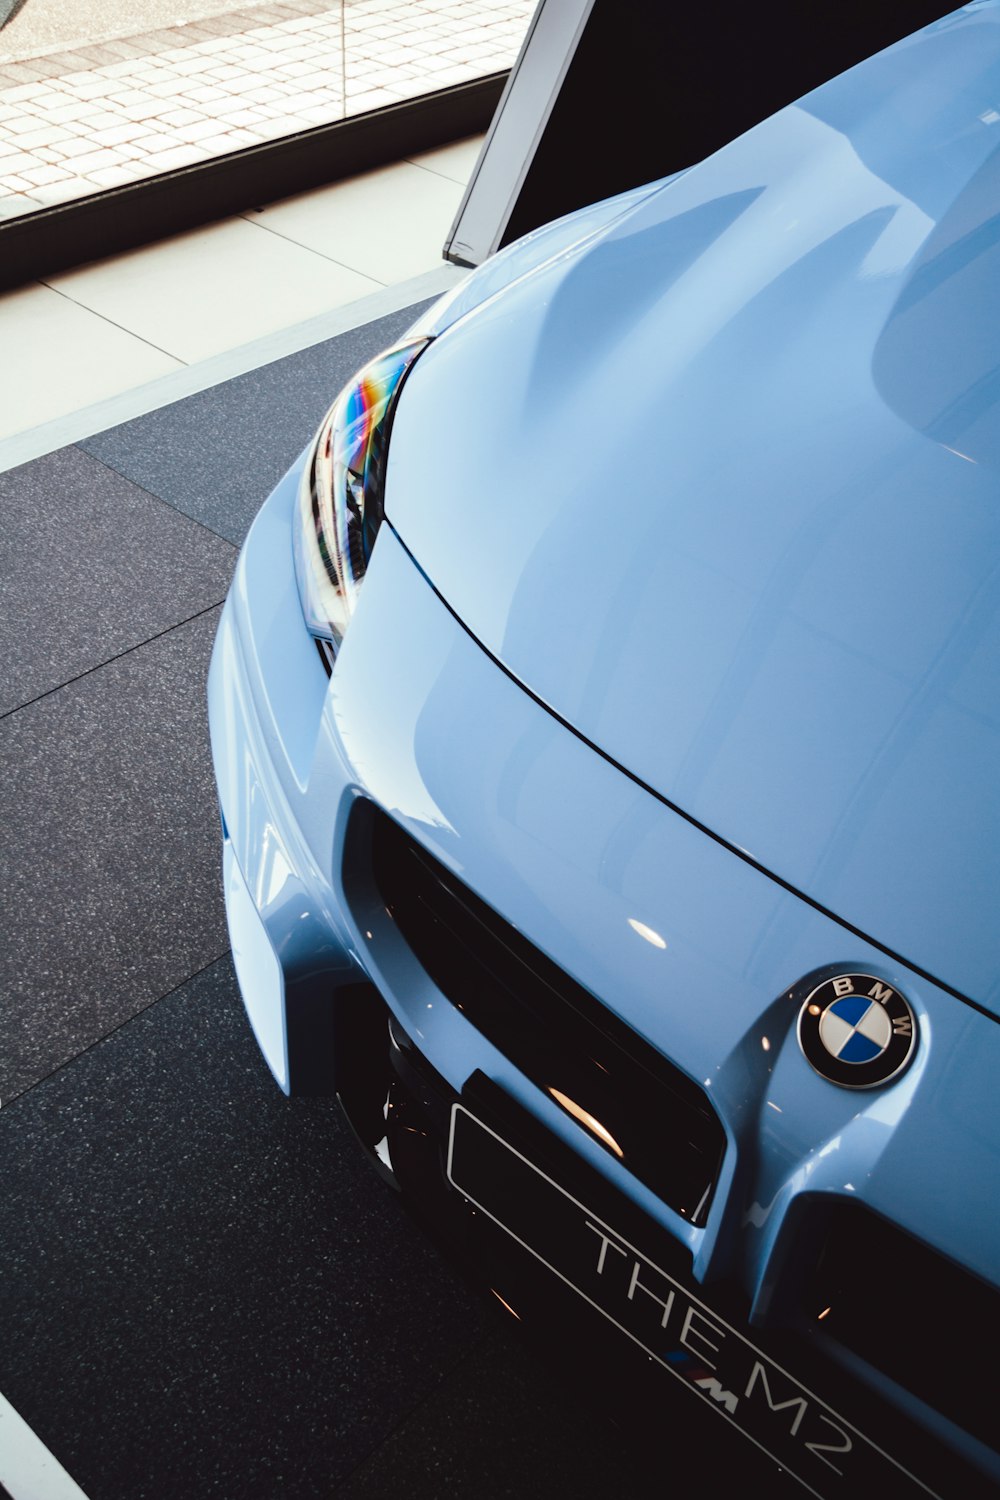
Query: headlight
x=340, y=500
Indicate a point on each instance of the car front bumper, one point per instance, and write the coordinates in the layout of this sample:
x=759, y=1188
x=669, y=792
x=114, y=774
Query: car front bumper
x=696, y=951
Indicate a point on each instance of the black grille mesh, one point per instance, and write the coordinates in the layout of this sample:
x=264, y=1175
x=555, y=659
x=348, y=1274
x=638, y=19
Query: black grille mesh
x=651, y=1115
x=926, y=1323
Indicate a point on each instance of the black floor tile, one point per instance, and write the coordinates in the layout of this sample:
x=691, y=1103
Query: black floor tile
x=498, y=1428
x=518, y=1420
x=91, y=566
x=216, y=456
x=109, y=870
x=206, y=1291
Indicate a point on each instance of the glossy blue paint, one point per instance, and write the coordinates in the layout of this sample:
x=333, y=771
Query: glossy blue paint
x=711, y=470
x=417, y=718
x=720, y=486
x=266, y=690
x=574, y=853
x=563, y=237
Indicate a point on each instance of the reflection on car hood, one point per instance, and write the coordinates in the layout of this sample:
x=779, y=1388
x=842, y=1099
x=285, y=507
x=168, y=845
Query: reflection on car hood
x=722, y=489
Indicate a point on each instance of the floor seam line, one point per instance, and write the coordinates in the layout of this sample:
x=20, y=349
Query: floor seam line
x=99, y=1041
x=183, y=363
x=435, y=173
x=118, y=656
x=330, y=259
x=151, y=494
x=186, y=381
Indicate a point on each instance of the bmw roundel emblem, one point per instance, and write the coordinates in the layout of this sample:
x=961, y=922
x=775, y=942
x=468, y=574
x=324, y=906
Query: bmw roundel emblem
x=857, y=1031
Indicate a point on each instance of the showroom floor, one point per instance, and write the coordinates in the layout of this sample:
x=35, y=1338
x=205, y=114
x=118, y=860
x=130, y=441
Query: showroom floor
x=264, y=282
x=204, y=1291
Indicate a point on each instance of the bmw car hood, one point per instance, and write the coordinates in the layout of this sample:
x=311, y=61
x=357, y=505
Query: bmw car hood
x=721, y=488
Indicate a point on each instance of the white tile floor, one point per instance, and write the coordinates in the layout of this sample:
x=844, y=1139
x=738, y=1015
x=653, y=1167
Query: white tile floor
x=213, y=288
x=338, y=221
x=60, y=356
x=289, y=275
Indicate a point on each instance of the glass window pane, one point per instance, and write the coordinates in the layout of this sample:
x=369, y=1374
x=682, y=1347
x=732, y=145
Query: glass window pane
x=95, y=95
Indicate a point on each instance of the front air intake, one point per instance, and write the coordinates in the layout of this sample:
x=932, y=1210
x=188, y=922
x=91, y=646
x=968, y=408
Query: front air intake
x=617, y=1086
x=919, y=1318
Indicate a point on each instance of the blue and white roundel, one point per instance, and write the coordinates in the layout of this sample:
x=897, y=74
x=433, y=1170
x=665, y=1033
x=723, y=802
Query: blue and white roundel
x=857, y=1030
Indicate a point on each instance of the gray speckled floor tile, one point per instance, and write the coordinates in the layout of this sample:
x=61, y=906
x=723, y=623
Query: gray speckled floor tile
x=109, y=870
x=91, y=566
x=216, y=456
x=206, y=1291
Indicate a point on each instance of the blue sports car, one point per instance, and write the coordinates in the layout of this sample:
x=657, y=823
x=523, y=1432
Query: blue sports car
x=606, y=718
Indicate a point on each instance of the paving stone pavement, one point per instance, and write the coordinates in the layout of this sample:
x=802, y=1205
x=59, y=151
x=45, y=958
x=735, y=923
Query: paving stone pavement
x=97, y=117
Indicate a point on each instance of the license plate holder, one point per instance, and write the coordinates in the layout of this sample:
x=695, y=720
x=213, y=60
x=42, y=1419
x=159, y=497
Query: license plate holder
x=666, y=1319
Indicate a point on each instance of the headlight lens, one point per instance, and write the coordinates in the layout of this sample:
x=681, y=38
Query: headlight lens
x=340, y=500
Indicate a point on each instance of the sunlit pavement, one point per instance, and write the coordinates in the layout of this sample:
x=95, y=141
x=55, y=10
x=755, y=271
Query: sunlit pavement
x=74, y=122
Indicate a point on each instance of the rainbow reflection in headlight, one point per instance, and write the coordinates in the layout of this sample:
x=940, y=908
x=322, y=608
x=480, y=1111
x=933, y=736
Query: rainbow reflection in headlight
x=340, y=499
